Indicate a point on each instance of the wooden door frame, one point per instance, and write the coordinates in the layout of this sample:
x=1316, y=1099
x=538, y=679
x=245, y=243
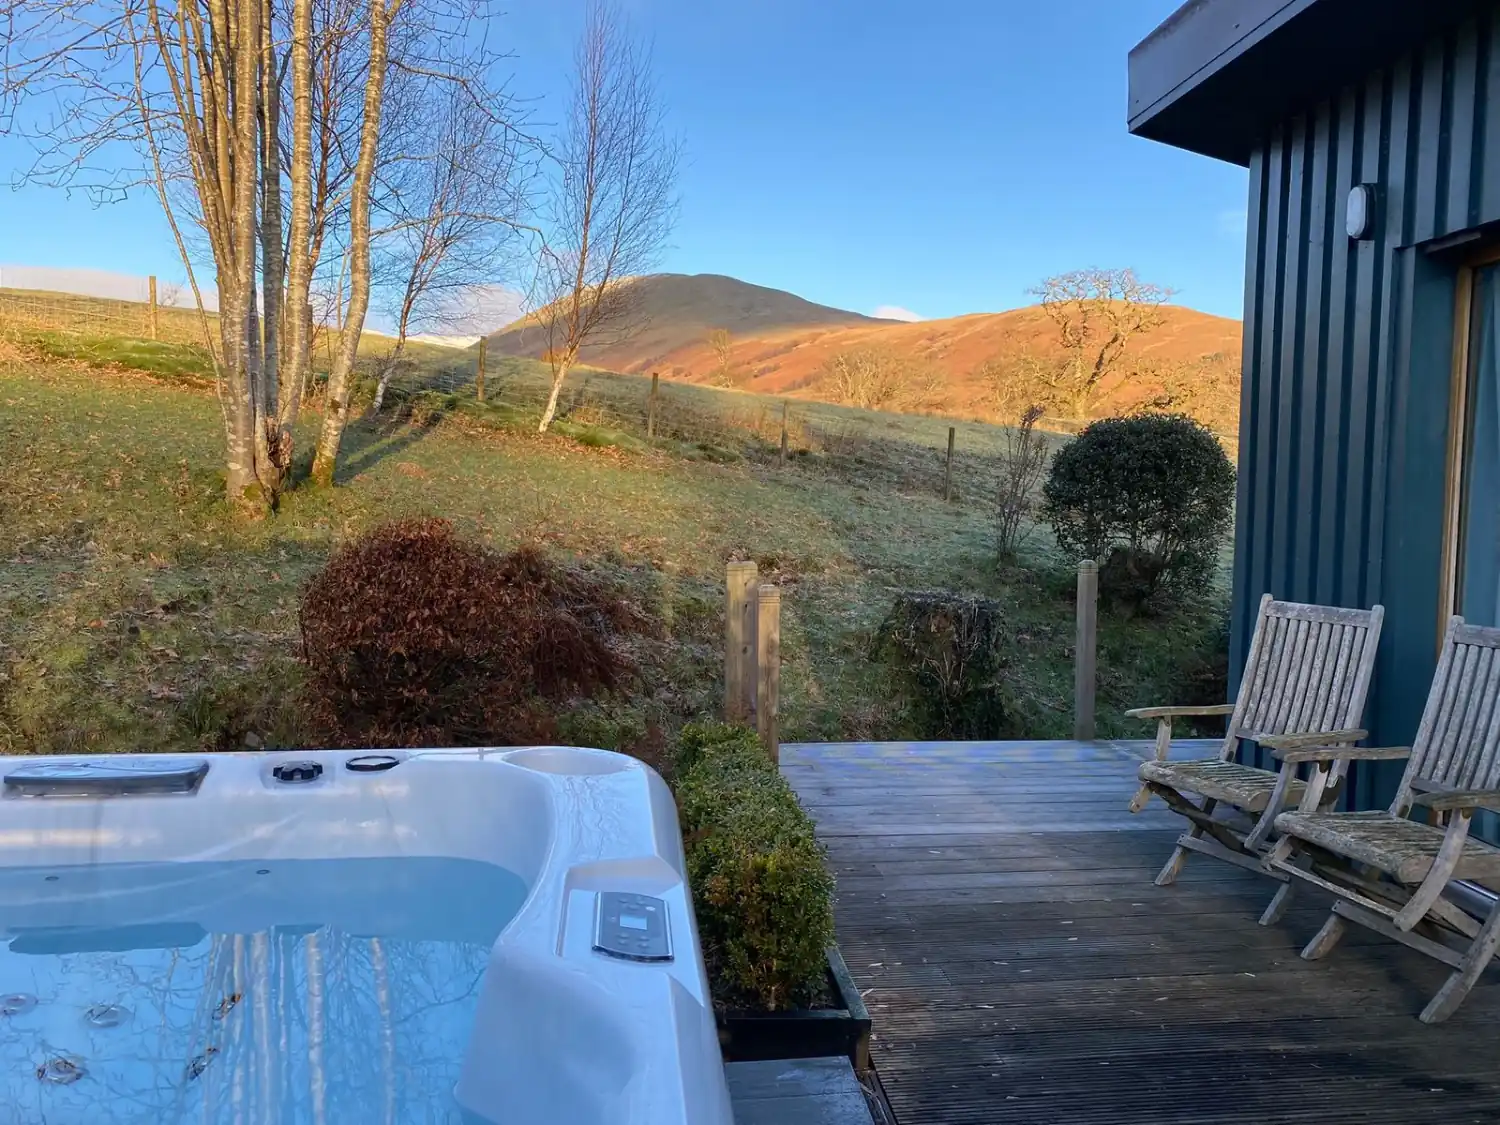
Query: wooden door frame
x=1458, y=427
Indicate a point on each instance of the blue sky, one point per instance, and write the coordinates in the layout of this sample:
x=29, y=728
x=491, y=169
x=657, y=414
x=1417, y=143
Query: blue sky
x=940, y=157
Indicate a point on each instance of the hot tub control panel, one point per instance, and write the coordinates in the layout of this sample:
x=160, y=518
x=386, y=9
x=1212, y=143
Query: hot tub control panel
x=632, y=927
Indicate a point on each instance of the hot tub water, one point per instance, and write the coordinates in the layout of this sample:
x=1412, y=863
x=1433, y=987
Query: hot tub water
x=136, y=996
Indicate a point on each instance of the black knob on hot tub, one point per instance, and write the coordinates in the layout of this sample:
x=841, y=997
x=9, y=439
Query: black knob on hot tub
x=297, y=771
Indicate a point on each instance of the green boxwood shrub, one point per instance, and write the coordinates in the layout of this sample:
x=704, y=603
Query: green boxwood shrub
x=761, y=887
x=1149, y=497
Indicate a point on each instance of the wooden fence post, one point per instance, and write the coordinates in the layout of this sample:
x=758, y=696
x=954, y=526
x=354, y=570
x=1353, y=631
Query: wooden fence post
x=151, y=288
x=948, y=469
x=739, y=642
x=768, y=663
x=651, y=408
x=1085, y=651
x=783, y=431
x=479, y=371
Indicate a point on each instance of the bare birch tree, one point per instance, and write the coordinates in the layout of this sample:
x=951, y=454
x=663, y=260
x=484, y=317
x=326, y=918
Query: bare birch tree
x=612, y=204
x=188, y=98
x=1097, y=313
x=455, y=200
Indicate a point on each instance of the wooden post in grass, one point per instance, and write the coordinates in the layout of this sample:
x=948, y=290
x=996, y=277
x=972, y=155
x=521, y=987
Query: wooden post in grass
x=151, y=292
x=1085, y=651
x=479, y=371
x=948, y=469
x=783, y=431
x=768, y=663
x=651, y=407
x=739, y=642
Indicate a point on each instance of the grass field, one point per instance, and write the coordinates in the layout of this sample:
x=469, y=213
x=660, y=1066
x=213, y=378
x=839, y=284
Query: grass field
x=135, y=613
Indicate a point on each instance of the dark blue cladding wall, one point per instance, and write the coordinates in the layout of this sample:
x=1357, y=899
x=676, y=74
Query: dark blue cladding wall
x=1348, y=354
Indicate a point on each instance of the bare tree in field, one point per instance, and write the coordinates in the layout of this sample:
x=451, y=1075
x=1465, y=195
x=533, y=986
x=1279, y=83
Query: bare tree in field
x=257, y=123
x=453, y=203
x=875, y=378
x=1097, y=313
x=723, y=348
x=612, y=204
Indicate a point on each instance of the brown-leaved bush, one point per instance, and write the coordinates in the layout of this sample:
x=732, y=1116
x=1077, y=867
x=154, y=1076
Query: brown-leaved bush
x=413, y=636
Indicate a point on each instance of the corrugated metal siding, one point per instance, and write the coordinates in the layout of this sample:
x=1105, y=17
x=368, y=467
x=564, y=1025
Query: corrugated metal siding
x=1348, y=353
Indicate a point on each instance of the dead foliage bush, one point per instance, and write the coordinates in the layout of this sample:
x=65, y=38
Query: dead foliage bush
x=949, y=650
x=414, y=636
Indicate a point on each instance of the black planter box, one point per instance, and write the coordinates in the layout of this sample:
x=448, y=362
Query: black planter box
x=841, y=1030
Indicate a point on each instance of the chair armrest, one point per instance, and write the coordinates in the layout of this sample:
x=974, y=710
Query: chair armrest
x=1180, y=712
x=1343, y=754
x=1449, y=800
x=1275, y=742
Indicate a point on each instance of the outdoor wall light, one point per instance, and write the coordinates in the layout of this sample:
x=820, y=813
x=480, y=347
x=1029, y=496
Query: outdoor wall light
x=1359, y=215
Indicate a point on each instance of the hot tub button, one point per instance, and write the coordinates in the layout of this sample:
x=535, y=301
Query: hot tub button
x=293, y=772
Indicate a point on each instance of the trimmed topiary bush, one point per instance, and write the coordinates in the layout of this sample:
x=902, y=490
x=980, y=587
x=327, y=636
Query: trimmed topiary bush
x=761, y=887
x=413, y=636
x=1149, y=497
x=947, y=648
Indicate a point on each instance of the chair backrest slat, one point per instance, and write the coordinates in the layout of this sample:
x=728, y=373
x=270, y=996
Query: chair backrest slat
x=1308, y=670
x=1458, y=740
x=1291, y=671
x=1467, y=726
x=1488, y=728
x=1311, y=681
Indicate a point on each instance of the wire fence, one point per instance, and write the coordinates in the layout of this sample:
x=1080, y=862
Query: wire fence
x=922, y=454
x=39, y=299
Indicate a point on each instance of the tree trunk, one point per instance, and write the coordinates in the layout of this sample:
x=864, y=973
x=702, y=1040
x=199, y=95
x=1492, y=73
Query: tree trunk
x=559, y=373
x=241, y=345
x=340, y=379
x=297, y=361
x=393, y=361
x=273, y=451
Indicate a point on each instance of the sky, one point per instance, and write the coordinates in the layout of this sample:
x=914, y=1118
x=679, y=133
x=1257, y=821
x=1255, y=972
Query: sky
x=928, y=159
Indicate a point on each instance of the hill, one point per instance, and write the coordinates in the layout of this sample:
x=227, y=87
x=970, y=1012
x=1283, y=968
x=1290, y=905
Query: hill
x=782, y=345
x=795, y=361
x=675, y=312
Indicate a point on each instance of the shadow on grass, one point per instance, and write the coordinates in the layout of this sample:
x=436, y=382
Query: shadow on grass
x=370, y=441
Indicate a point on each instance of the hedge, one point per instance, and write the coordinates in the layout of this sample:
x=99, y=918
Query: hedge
x=761, y=887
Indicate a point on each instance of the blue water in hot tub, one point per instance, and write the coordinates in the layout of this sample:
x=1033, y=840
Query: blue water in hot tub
x=297, y=993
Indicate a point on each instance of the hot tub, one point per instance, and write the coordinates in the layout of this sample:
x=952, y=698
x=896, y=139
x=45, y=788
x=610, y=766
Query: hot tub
x=475, y=936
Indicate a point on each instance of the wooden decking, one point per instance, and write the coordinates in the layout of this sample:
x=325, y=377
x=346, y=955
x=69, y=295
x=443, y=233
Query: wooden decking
x=796, y=1092
x=997, y=911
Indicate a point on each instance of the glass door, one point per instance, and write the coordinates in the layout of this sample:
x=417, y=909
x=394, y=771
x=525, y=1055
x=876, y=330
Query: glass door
x=1476, y=587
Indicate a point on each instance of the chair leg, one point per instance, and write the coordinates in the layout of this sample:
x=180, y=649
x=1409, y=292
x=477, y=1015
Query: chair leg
x=1276, y=910
x=1325, y=939
x=1452, y=994
x=1168, y=874
x=1141, y=799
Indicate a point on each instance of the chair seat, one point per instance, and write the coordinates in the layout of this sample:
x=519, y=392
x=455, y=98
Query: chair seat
x=1244, y=787
x=1403, y=848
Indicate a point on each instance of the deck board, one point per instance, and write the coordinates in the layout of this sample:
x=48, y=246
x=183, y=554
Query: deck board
x=997, y=911
x=796, y=1092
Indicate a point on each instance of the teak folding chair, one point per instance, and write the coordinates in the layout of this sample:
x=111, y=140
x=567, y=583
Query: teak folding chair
x=1388, y=872
x=1305, y=681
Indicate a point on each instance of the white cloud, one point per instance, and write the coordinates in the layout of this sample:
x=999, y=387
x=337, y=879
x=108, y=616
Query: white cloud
x=1233, y=222
x=895, y=312
x=466, y=313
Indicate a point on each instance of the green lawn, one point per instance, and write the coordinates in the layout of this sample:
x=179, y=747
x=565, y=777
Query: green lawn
x=136, y=614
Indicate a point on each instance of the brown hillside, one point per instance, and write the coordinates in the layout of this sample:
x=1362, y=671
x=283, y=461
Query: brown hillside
x=673, y=312
x=792, y=361
x=782, y=344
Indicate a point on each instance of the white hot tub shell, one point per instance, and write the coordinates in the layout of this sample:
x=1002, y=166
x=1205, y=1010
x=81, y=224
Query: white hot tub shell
x=563, y=1032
